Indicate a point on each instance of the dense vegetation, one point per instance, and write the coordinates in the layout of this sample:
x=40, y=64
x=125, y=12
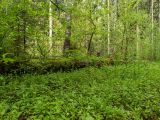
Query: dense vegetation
x=79, y=59
x=51, y=28
x=122, y=92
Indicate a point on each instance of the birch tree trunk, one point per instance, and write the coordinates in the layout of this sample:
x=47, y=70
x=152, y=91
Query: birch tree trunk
x=158, y=22
x=108, y=20
x=50, y=25
x=152, y=25
x=125, y=43
x=137, y=37
x=115, y=13
x=159, y=13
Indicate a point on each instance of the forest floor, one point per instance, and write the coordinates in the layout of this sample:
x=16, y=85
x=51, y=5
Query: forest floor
x=122, y=92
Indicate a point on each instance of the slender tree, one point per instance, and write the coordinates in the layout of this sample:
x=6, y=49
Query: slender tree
x=108, y=23
x=50, y=25
x=152, y=26
x=67, y=41
x=137, y=37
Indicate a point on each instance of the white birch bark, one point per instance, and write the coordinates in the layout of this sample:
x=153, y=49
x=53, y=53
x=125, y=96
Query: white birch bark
x=137, y=37
x=159, y=14
x=108, y=18
x=152, y=25
x=50, y=25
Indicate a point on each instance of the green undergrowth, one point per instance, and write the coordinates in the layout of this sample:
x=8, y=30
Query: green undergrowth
x=122, y=92
x=43, y=66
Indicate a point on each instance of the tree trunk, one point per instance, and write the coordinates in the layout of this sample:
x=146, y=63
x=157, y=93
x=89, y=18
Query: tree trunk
x=125, y=35
x=66, y=45
x=137, y=37
x=89, y=44
x=115, y=14
x=152, y=34
x=50, y=25
x=108, y=20
x=24, y=30
x=159, y=14
x=17, y=41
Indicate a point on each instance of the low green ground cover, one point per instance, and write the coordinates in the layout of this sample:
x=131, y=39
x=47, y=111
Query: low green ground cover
x=123, y=92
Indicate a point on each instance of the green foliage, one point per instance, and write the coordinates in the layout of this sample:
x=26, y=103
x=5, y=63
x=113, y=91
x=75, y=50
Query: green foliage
x=87, y=94
x=6, y=59
x=41, y=66
x=25, y=28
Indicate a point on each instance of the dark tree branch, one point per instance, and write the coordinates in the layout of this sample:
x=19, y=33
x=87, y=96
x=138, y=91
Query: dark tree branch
x=57, y=6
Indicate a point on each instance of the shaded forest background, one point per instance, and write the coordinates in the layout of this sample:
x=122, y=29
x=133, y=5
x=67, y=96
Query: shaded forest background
x=54, y=29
